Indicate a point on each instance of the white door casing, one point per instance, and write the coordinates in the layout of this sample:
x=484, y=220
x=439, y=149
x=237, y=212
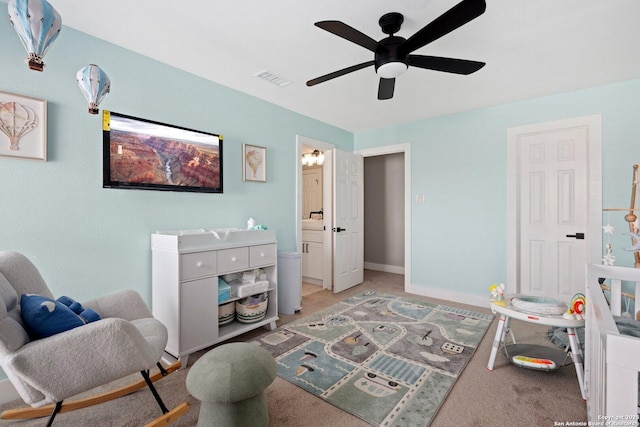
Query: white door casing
x=554, y=190
x=327, y=200
x=348, y=226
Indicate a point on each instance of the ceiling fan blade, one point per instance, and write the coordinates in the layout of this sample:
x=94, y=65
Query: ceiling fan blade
x=339, y=73
x=448, y=65
x=454, y=18
x=349, y=33
x=385, y=88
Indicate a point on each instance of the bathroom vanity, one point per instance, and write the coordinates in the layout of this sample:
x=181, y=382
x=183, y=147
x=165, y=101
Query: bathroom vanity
x=313, y=251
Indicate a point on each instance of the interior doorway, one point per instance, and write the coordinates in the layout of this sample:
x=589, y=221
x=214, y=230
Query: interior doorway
x=309, y=144
x=399, y=158
x=384, y=213
x=313, y=213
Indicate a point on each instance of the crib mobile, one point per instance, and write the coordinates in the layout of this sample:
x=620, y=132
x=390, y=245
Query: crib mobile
x=634, y=227
x=631, y=217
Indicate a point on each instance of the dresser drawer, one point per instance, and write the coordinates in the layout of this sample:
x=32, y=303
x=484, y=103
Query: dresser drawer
x=233, y=259
x=262, y=255
x=198, y=264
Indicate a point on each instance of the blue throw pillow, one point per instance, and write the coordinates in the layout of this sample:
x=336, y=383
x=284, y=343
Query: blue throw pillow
x=45, y=317
x=88, y=315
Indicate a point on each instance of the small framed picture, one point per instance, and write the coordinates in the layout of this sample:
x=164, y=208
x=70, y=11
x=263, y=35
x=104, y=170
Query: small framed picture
x=254, y=163
x=23, y=127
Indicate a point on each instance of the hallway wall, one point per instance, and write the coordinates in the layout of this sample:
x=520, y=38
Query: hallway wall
x=384, y=212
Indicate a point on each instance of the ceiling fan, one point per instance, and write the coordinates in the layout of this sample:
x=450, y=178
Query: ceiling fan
x=393, y=53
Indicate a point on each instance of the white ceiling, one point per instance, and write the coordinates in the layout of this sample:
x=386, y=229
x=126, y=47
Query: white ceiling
x=532, y=48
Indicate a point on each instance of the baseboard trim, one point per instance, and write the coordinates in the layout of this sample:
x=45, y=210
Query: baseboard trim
x=7, y=392
x=311, y=281
x=397, y=269
x=477, y=300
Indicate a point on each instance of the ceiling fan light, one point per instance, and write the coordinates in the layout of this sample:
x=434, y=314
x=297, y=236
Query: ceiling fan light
x=391, y=70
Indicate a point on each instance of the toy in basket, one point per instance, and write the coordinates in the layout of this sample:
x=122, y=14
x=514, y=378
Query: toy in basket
x=226, y=313
x=252, y=309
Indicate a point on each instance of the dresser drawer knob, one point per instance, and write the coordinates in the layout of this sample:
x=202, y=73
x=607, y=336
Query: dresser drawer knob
x=199, y=264
x=234, y=259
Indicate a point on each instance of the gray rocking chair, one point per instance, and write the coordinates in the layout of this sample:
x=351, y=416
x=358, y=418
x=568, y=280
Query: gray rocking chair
x=49, y=370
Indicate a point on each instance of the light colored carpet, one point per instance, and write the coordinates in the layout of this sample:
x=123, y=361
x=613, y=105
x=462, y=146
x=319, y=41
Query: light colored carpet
x=506, y=396
x=387, y=359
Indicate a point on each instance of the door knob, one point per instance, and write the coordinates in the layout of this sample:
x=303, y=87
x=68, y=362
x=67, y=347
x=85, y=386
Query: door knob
x=579, y=236
x=338, y=229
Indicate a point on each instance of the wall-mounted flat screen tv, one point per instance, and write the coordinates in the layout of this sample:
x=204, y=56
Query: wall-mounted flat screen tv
x=143, y=154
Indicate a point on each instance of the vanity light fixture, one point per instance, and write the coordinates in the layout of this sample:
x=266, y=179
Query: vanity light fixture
x=314, y=158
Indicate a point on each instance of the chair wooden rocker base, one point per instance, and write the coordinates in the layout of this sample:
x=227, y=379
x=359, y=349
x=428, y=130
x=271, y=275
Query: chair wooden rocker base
x=52, y=410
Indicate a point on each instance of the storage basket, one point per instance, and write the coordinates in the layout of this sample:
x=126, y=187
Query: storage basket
x=226, y=313
x=251, y=310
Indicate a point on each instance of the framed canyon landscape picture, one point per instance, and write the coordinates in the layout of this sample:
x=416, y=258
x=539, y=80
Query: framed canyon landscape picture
x=148, y=155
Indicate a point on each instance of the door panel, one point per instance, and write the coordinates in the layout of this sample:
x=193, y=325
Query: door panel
x=553, y=205
x=348, y=227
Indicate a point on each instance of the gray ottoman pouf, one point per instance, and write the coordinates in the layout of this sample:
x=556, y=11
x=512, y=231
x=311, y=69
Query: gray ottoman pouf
x=229, y=381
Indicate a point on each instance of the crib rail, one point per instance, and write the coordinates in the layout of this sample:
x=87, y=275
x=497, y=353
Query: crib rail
x=612, y=360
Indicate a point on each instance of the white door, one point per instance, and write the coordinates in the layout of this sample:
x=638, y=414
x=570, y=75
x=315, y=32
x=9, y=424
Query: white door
x=553, y=212
x=348, y=225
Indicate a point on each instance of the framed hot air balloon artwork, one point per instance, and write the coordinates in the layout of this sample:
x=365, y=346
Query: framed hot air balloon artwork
x=254, y=163
x=23, y=127
x=147, y=155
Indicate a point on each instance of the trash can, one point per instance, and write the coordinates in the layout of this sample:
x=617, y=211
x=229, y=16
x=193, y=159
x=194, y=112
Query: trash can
x=289, y=282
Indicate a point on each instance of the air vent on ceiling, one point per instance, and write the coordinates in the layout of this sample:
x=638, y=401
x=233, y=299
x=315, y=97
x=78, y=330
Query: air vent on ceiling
x=276, y=80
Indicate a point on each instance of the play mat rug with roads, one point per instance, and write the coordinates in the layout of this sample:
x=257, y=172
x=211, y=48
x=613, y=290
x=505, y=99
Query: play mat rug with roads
x=387, y=359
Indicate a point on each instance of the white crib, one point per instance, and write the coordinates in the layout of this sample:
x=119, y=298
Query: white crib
x=612, y=360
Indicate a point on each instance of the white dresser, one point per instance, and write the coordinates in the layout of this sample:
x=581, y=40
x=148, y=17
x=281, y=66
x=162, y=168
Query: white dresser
x=185, y=269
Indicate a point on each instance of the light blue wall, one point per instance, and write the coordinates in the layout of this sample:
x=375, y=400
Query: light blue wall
x=459, y=162
x=87, y=240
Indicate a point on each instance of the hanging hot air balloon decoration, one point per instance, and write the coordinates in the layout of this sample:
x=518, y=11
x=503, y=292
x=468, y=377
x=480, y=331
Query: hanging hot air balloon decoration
x=94, y=85
x=37, y=24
